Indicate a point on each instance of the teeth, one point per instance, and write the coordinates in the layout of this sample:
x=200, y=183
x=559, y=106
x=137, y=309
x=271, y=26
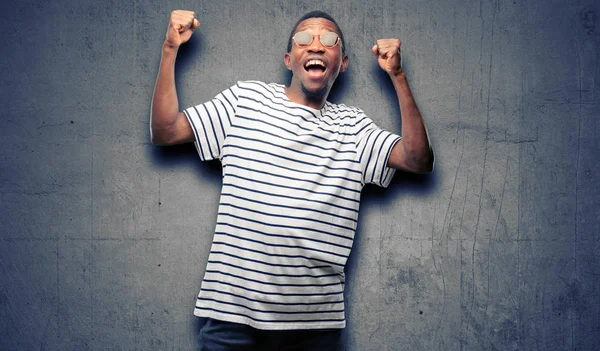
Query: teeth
x=314, y=62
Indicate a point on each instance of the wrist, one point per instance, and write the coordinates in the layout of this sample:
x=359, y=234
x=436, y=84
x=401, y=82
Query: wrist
x=399, y=74
x=399, y=79
x=169, y=48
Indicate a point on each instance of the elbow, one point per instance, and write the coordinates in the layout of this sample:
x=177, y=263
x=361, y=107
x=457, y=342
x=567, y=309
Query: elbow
x=156, y=138
x=428, y=163
x=159, y=136
x=424, y=168
x=427, y=167
x=153, y=138
x=424, y=163
x=168, y=131
x=157, y=131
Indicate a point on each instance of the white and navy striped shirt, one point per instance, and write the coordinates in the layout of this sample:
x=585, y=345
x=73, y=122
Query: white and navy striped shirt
x=292, y=178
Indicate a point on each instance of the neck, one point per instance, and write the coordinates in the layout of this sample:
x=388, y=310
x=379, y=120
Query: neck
x=302, y=96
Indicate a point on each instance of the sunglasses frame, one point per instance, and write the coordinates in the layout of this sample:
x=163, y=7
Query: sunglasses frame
x=337, y=41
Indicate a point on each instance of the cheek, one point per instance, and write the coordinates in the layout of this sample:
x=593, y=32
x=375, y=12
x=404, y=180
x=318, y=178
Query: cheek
x=336, y=60
x=294, y=63
x=337, y=63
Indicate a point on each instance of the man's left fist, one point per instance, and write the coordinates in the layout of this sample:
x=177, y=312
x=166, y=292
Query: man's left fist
x=388, y=55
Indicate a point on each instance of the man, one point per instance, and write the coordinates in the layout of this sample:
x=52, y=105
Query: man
x=294, y=165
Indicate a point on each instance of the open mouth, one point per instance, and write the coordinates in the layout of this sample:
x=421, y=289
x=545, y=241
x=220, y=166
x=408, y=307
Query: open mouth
x=315, y=68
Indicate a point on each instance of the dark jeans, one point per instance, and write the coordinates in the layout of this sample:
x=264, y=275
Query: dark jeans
x=217, y=335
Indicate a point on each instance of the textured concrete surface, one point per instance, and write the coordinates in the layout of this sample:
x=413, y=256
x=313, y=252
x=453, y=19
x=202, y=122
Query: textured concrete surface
x=104, y=237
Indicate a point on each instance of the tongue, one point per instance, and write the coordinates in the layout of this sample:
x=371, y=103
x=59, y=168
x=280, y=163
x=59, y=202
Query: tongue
x=315, y=71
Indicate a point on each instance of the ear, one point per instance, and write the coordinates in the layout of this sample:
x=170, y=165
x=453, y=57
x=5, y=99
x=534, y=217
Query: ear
x=344, y=63
x=286, y=61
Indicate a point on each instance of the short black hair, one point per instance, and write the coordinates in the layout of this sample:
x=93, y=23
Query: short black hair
x=317, y=14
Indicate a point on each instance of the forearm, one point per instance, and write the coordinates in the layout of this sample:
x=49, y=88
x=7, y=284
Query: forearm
x=165, y=105
x=418, y=153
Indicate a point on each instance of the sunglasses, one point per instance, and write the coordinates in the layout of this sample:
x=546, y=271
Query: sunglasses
x=328, y=39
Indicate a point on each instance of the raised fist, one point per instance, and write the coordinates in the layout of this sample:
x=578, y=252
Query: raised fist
x=181, y=27
x=388, y=55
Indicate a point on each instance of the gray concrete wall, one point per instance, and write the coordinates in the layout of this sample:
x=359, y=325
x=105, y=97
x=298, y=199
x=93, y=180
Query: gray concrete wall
x=104, y=237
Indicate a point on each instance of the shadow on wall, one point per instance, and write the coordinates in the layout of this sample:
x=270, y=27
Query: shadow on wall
x=188, y=54
x=170, y=157
x=402, y=184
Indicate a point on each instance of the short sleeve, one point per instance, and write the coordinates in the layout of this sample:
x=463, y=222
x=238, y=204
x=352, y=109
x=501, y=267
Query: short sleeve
x=211, y=121
x=374, y=146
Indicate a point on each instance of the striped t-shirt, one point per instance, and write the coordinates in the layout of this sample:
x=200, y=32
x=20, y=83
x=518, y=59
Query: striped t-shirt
x=292, y=178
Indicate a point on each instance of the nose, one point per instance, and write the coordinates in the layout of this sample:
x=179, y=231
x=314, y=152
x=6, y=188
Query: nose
x=316, y=45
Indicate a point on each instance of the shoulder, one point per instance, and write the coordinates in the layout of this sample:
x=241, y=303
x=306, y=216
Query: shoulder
x=257, y=84
x=343, y=114
x=258, y=87
x=262, y=93
x=338, y=109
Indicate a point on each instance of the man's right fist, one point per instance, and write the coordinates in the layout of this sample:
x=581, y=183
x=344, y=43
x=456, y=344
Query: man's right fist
x=181, y=27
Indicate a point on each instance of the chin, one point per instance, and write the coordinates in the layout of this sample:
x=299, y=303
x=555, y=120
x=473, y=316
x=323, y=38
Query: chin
x=314, y=94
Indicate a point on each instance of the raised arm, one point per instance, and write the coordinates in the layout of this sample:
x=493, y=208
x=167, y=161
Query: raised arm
x=413, y=153
x=168, y=125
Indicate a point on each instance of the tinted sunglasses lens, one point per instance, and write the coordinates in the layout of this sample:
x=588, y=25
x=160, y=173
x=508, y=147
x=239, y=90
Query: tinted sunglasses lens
x=303, y=38
x=329, y=39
